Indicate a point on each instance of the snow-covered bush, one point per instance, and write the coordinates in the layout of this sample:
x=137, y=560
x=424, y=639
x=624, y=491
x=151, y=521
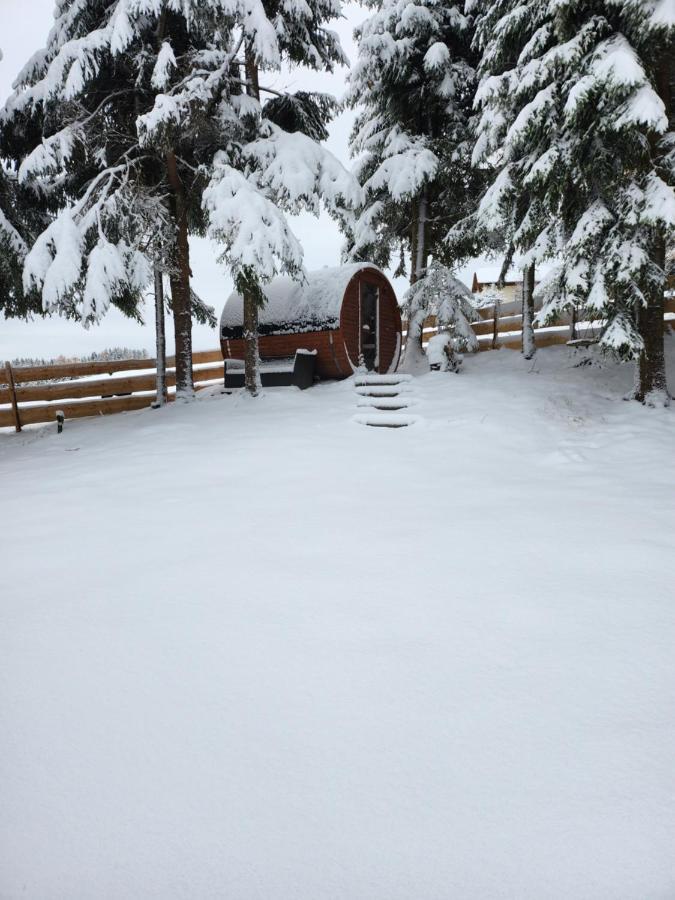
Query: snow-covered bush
x=442, y=353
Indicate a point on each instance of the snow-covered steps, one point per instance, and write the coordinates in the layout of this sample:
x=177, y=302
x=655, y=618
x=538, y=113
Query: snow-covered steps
x=383, y=400
x=388, y=403
x=381, y=380
x=384, y=391
x=386, y=420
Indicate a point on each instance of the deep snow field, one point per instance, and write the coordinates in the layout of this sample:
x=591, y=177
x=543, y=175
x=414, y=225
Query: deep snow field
x=254, y=650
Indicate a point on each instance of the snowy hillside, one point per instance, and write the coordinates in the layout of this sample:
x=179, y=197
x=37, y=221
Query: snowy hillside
x=255, y=650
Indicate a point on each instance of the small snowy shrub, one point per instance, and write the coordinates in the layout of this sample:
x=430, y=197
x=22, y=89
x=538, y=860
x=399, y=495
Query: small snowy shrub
x=442, y=353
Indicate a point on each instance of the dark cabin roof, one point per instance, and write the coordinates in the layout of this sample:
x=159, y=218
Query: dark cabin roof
x=295, y=306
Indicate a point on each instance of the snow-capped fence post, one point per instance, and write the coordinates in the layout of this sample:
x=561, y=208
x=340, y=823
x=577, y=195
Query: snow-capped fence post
x=12, y=396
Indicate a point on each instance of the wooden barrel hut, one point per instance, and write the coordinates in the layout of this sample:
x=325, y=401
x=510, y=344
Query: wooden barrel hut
x=347, y=314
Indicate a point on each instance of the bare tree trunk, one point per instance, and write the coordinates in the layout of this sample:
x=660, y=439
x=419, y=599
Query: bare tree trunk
x=495, y=323
x=160, y=333
x=252, y=382
x=414, y=352
x=181, y=300
x=421, y=250
x=650, y=374
x=529, y=347
x=251, y=359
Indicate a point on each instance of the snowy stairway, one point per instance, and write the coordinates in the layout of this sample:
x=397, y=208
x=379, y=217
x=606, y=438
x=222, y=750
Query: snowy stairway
x=381, y=399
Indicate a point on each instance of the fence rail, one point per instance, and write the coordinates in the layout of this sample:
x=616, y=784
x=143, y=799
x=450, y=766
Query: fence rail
x=34, y=394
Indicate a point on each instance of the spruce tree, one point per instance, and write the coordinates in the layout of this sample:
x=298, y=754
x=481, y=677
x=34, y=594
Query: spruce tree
x=141, y=111
x=19, y=222
x=577, y=128
x=413, y=83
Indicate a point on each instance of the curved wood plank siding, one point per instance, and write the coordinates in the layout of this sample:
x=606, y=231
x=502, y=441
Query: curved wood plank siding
x=338, y=349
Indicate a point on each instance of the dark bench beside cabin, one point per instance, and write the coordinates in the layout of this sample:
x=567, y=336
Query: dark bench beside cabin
x=297, y=370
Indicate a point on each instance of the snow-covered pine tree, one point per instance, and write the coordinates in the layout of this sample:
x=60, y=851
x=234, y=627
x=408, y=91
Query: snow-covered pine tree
x=515, y=125
x=413, y=83
x=150, y=109
x=577, y=123
x=70, y=126
x=273, y=164
x=19, y=220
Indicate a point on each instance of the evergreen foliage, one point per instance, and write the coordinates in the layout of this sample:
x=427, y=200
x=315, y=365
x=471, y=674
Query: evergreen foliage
x=576, y=127
x=413, y=83
x=142, y=122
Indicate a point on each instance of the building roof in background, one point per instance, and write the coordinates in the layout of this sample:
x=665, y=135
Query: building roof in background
x=491, y=276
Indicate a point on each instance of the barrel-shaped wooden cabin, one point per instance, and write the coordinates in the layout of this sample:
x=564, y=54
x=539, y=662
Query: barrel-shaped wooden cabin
x=348, y=314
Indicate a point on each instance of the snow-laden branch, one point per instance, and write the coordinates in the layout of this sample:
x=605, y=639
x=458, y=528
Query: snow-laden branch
x=254, y=232
x=300, y=174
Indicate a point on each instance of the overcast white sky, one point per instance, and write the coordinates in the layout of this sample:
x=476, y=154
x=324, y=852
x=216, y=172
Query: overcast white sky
x=24, y=25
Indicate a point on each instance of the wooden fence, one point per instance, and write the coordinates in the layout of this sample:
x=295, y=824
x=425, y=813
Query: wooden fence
x=34, y=394
x=508, y=330
x=31, y=394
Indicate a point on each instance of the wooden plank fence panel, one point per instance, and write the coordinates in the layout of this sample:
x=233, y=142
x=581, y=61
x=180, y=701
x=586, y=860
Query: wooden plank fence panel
x=77, y=409
x=75, y=370
x=7, y=418
x=106, y=387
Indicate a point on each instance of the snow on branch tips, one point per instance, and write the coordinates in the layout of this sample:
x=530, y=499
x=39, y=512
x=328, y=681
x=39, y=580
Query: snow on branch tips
x=255, y=233
x=300, y=174
x=407, y=164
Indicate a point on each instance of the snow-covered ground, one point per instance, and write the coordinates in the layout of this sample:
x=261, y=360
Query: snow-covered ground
x=255, y=650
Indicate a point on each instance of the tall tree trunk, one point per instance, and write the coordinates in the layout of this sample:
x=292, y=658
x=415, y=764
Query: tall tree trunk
x=415, y=360
x=181, y=300
x=650, y=374
x=495, y=323
x=160, y=334
x=529, y=347
x=252, y=382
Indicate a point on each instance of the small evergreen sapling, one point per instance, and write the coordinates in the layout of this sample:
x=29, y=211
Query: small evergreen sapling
x=439, y=293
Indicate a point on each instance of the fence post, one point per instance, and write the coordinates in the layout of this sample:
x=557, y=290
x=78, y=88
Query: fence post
x=12, y=395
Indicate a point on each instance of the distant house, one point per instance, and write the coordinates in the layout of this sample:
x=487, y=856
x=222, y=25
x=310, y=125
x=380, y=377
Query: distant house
x=488, y=280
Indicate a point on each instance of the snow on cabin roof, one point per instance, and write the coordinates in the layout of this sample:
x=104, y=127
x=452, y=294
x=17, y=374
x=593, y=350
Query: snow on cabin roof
x=293, y=305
